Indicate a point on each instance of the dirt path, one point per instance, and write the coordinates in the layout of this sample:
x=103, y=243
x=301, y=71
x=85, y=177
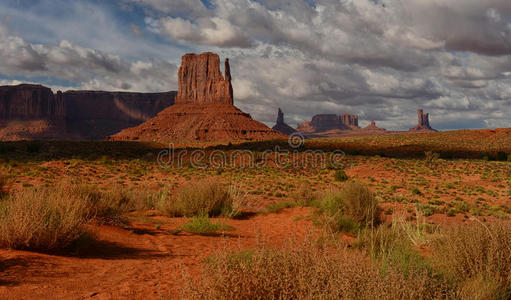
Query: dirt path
x=141, y=263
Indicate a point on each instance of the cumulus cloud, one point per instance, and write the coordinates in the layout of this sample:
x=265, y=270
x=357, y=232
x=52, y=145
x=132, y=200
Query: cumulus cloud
x=187, y=7
x=89, y=68
x=205, y=31
x=380, y=59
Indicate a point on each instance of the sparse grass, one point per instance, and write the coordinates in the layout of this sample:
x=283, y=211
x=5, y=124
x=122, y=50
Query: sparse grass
x=43, y=218
x=279, y=206
x=202, y=225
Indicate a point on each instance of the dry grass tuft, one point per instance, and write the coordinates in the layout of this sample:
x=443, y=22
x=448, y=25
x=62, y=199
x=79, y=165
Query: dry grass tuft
x=350, y=209
x=306, y=272
x=478, y=258
x=205, y=197
x=43, y=218
x=4, y=180
x=359, y=203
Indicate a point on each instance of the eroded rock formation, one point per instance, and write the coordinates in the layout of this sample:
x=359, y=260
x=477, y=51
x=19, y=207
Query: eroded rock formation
x=201, y=82
x=281, y=126
x=204, y=110
x=35, y=112
x=373, y=127
x=423, y=124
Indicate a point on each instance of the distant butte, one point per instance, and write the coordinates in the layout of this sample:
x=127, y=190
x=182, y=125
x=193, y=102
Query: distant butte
x=373, y=127
x=328, y=122
x=281, y=126
x=203, y=110
x=423, y=124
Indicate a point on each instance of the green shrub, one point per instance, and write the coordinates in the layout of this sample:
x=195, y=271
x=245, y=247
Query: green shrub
x=416, y=191
x=340, y=175
x=431, y=157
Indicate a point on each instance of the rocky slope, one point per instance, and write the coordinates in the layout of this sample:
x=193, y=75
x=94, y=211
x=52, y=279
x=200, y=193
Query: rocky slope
x=204, y=110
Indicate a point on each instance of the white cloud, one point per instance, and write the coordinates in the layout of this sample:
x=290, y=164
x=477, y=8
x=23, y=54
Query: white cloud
x=90, y=68
x=379, y=59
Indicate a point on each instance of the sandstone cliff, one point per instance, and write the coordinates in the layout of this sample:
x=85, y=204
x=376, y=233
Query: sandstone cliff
x=34, y=112
x=204, y=110
x=95, y=115
x=30, y=102
x=281, y=126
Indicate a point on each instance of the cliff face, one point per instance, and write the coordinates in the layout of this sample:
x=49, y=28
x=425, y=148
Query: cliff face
x=350, y=121
x=30, y=102
x=96, y=115
x=34, y=112
x=201, y=82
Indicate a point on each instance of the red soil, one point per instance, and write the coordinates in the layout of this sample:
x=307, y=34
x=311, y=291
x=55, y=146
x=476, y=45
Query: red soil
x=141, y=263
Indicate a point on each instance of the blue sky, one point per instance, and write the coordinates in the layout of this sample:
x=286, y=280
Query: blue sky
x=380, y=60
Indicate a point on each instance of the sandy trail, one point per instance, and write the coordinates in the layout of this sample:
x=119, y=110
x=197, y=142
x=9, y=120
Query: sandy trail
x=141, y=263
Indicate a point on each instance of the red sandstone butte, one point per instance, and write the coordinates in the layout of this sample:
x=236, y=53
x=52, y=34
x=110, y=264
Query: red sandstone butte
x=423, y=124
x=203, y=110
